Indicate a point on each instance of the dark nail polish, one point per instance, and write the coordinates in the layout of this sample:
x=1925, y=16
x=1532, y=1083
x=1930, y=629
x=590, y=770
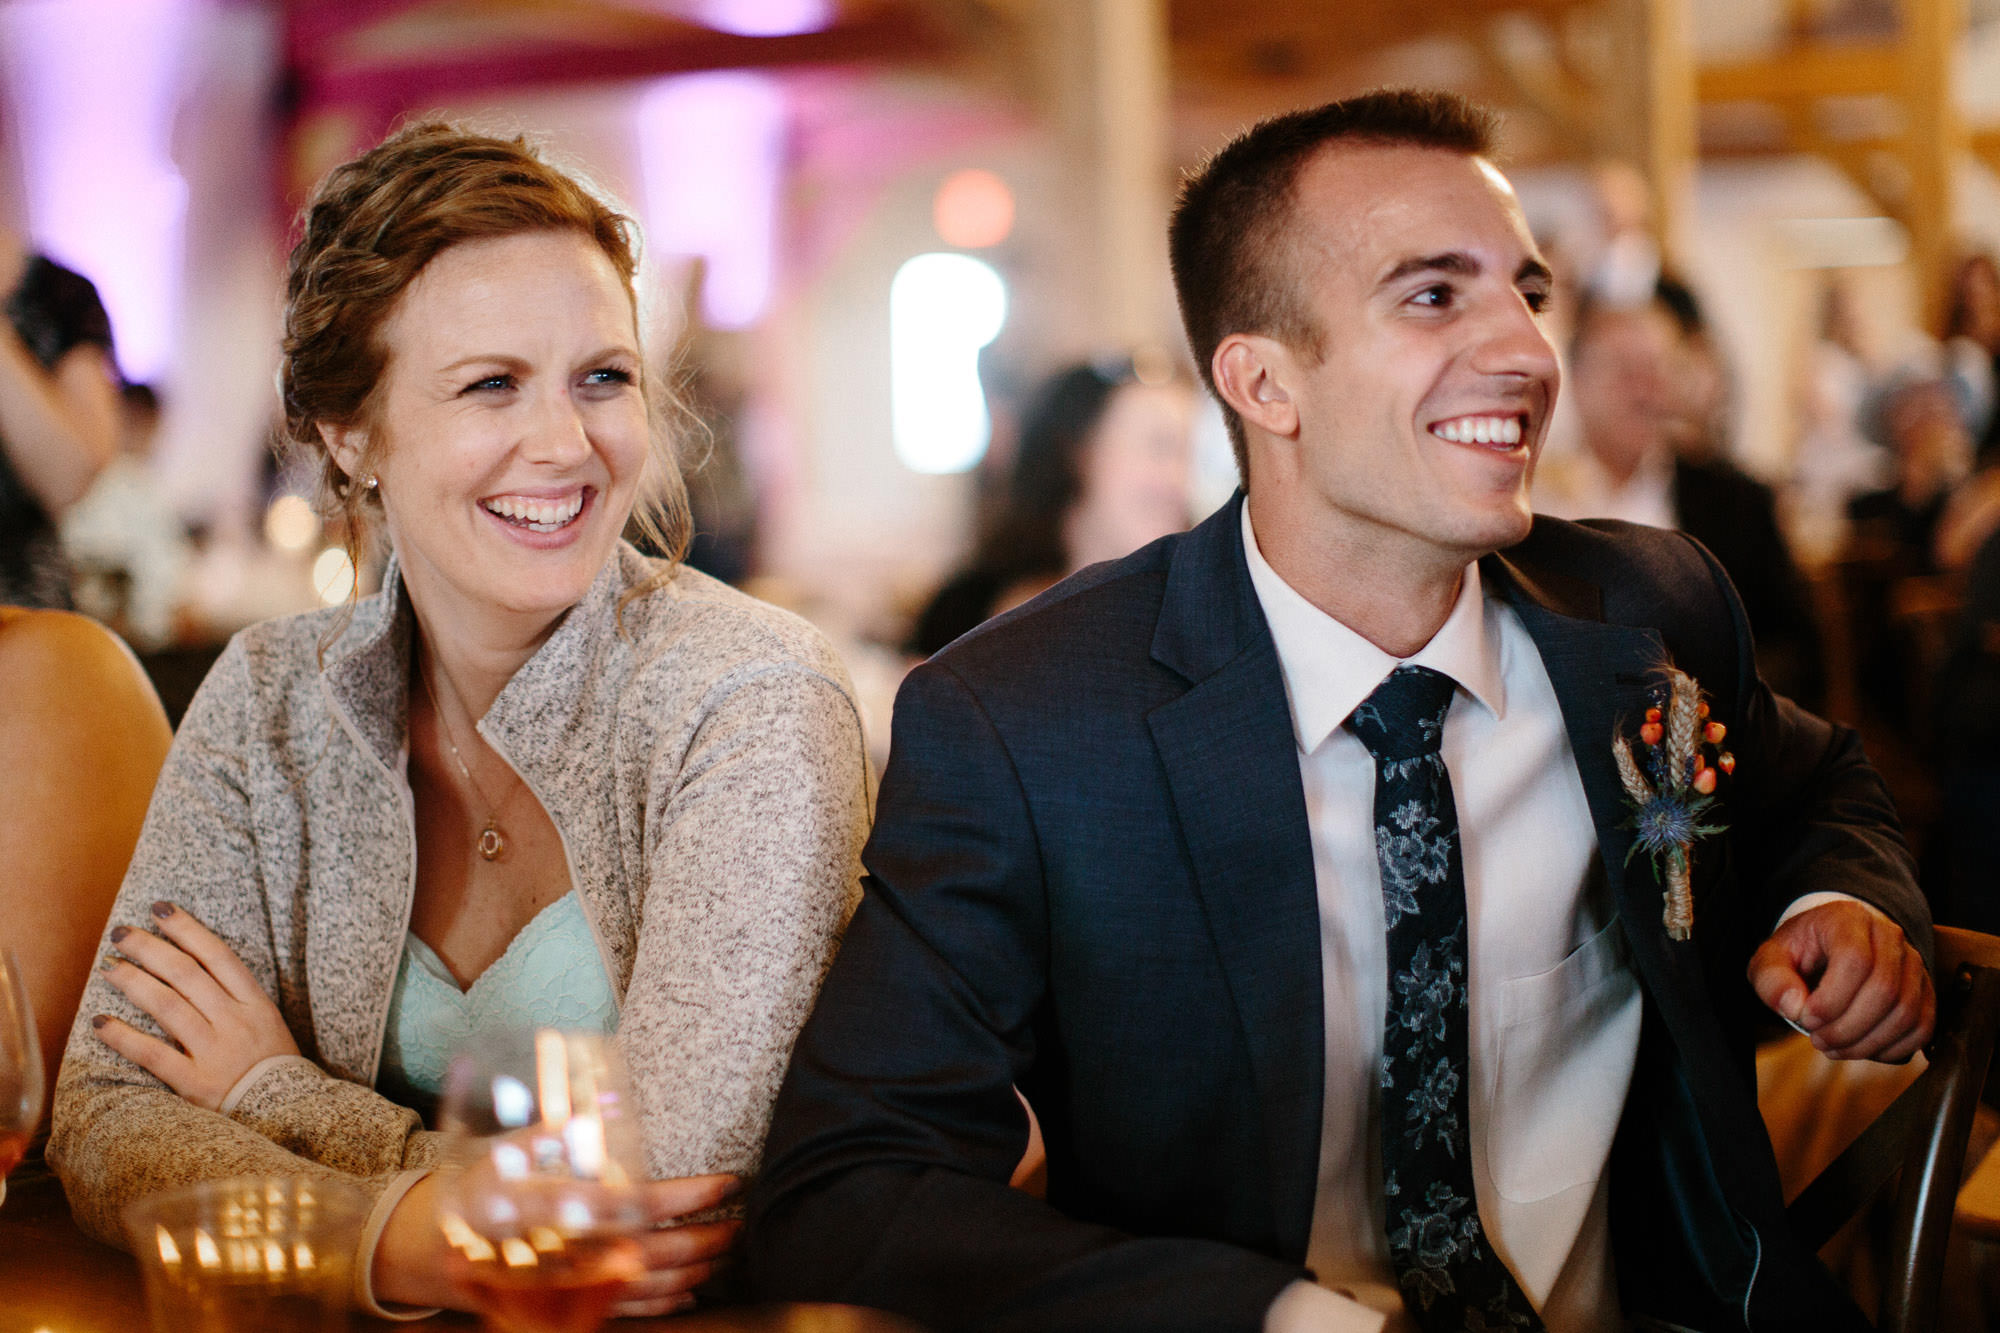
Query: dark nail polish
x=163, y=909
x=119, y=932
x=100, y=1020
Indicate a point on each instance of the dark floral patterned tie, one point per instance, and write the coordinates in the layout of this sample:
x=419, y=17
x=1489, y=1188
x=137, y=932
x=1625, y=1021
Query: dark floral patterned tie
x=1451, y=1278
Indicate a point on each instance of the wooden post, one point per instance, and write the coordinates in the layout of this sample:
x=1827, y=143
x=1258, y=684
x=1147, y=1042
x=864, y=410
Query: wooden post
x=1934, y=138
x=1107, y=64
x=1654, y=109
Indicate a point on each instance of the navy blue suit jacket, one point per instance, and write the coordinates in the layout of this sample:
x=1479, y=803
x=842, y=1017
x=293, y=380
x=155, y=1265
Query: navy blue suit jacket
x=1091, y=878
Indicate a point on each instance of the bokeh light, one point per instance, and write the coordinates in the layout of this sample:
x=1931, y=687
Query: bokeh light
x=333, y=576
x=973, y=209
x=290, y=524
x=765, y=18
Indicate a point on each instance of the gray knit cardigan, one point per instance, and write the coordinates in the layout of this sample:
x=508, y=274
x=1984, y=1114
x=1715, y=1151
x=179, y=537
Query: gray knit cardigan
x=704, y=769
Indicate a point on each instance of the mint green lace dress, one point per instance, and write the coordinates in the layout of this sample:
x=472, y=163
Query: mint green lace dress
x=550, y=976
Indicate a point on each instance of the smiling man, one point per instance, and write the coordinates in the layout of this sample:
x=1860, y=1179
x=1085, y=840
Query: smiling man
x=1282, y=867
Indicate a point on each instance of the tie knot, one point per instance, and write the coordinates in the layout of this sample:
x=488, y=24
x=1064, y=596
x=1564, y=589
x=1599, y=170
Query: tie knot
x=1404, y=717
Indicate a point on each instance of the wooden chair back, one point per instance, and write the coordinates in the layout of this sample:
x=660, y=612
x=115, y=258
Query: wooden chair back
x=1920, y=1140
x=82, y=738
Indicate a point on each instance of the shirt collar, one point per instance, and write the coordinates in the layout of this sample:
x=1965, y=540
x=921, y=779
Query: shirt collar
x=1329, y=669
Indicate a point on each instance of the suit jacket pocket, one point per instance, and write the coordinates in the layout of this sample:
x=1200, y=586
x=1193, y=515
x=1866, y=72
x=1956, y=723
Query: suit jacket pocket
x=1567, y=1042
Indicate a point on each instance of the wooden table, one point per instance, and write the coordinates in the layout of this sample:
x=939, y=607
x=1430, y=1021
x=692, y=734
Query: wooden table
x=54, y=1279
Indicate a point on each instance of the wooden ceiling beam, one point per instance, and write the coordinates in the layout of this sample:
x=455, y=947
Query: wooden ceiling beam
x=1806, y=73
x=1985, y=144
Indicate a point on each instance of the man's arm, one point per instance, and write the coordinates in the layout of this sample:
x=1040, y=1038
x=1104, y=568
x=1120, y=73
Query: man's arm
x=1814, y=818
x=885, y=1177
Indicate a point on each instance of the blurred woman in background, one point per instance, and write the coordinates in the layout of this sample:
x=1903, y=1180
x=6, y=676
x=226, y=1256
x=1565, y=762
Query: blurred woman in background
x=58, y=416
x=1102, y=468
x=539, y=780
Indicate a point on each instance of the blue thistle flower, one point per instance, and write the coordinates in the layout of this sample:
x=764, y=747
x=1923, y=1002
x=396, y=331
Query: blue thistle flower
x=1663, y=824
x=1669, y=822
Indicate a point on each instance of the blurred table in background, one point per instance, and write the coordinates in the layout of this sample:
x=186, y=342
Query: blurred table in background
x=54, y=1279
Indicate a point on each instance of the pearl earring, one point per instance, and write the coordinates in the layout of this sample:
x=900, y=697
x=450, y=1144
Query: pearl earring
x=369, y=481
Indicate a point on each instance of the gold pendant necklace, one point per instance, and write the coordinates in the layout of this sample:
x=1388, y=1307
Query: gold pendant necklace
x=491, y=843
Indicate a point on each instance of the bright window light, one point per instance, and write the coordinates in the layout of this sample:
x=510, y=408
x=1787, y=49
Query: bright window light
x=942, y=309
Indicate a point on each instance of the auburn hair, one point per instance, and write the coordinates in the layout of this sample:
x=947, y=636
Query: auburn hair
x=370, y=228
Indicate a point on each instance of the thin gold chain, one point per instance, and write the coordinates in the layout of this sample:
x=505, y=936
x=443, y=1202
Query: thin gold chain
x=444, y=722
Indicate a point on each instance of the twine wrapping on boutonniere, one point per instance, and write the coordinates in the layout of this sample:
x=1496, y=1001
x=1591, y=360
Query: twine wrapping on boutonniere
x=1671, y=789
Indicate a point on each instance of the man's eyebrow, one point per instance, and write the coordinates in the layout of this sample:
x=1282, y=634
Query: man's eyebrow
x=1463, y=265
x=1534, y=270
x=1453, y=261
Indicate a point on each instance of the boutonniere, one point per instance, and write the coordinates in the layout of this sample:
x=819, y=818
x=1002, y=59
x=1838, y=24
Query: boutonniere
x=1670, y=786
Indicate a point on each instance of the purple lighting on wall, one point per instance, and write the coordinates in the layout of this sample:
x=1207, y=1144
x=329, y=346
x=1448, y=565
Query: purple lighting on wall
x=764, y=18
x=93, y=86
x=713, y=148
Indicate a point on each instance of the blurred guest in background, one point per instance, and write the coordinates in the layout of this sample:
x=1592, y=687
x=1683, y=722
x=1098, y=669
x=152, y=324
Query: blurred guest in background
x=58, y=416
x=1102, y=468
x=1639, y=407
x=1962, y=860
x=539, y=780
x=1893, y=540
x=130, y=549
x=1835, y=460
x=1928, y=442
x=1972, y=349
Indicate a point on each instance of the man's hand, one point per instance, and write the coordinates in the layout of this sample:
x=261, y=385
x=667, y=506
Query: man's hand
x=1846, y=975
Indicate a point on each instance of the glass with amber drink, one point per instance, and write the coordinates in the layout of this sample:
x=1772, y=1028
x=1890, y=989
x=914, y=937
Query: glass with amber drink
x=541, y=1204
x=21, y=1078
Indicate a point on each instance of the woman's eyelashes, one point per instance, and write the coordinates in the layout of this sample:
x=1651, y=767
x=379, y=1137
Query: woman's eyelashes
x=598, y=377
x=490, y=383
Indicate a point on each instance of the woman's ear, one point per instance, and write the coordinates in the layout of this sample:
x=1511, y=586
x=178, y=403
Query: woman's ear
x=346, y=444
x=1251, y=371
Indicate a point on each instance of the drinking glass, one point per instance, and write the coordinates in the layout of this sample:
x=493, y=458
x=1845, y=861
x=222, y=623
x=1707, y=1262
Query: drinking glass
x=21, y=1076
x=541, y=1203
x=249, y=1254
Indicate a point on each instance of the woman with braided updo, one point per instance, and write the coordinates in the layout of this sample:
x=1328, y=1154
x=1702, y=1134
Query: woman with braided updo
x=538, y=779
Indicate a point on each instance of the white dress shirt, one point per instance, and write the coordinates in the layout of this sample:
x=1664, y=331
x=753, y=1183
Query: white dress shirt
x=1555, y=1004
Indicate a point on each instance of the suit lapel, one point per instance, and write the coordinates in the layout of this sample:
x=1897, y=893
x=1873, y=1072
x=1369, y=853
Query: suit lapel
x=1231, y=763
x=1603, y=676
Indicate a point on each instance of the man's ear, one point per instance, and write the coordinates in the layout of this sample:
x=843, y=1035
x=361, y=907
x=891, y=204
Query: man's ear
x=1251, y=373
x=346, y=444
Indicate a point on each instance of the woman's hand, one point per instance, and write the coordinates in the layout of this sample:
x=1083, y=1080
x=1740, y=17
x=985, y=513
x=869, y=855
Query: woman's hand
x=202, y=996
x=680, y=1256
x=413, y=1266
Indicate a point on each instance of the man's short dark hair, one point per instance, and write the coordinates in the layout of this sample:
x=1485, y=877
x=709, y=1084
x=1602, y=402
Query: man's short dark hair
x=1227, y=237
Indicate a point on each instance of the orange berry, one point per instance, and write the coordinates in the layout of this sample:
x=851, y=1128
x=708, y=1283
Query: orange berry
x=1651, y=733
x=1704, y=780
x=1726, y=762
x=1714, y=732
x=1652, y=715
x=1701, y=709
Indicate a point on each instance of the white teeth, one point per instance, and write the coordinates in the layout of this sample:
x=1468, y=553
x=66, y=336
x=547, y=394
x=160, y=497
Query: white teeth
x=535, y=515
x=1479, y=430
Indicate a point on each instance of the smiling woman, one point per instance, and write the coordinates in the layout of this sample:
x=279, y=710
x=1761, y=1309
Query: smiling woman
x=538, y=780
